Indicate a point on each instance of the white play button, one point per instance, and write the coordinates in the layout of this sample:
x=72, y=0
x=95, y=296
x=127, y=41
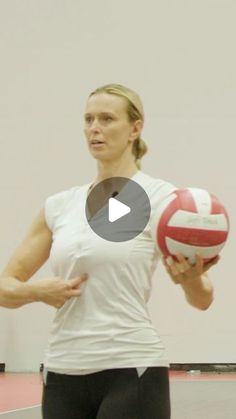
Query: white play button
x=117, y=209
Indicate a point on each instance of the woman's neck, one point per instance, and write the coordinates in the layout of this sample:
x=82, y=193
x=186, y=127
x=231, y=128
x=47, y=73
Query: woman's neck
x=107, y=170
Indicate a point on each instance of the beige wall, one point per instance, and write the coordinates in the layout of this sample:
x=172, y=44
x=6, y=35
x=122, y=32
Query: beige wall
x=180, y=56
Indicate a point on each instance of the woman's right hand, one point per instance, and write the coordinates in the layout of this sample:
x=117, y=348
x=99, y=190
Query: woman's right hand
x=56, y=291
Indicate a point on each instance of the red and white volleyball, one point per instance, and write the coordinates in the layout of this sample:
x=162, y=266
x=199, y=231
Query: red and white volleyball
x=192, y=221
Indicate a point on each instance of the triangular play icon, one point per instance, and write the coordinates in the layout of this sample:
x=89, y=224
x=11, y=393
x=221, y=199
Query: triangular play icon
x=116, y=209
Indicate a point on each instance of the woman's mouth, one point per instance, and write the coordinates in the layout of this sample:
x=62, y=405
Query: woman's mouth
x=96, y=143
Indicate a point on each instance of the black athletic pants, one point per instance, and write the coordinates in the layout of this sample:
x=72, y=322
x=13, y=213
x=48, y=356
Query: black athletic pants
x=109, y=394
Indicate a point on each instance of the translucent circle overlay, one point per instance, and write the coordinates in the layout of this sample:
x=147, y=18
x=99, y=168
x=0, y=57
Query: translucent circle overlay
x=127, y=192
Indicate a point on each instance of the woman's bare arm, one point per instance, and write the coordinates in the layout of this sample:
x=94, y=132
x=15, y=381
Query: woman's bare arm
x=193, y=279
x=29, y=256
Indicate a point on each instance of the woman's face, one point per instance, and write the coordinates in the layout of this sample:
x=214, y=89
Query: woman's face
x=108, y=131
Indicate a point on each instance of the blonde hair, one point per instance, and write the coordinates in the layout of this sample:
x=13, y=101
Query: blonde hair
x=134, y=111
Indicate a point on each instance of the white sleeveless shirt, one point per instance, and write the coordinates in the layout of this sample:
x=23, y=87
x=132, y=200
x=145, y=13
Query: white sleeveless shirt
x=109, y=325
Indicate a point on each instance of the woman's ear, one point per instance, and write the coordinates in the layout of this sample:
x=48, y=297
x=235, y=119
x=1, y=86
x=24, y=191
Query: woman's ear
x=137, y=127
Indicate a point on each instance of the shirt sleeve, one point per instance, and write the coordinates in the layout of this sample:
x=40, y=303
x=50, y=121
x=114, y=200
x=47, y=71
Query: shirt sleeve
x=55, y=205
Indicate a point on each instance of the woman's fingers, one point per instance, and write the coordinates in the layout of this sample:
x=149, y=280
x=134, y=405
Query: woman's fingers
x=180, y=269
x=211, y=263
x=76, y=282
x=173, y=268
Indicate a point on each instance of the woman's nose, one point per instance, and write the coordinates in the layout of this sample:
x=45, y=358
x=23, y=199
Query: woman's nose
x=94, y=126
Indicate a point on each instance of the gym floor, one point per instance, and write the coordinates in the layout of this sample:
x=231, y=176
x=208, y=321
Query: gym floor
x=194, y=395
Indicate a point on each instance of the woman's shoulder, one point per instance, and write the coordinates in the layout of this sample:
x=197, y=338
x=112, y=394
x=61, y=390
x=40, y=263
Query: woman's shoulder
x=64, y=195
x=155, y=185
x=57, y=203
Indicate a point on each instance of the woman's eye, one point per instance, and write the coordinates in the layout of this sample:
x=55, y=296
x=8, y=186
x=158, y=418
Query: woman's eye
x=108, y=118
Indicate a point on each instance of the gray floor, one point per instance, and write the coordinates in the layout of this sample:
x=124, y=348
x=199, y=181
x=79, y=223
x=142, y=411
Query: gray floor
x=203, y=399
x=32, y=413
x=190, y=400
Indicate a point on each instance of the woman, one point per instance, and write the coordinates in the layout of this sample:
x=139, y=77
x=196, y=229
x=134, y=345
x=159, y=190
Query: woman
x=104, y=358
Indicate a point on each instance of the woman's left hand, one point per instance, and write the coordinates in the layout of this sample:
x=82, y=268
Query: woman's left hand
x=181, y=270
